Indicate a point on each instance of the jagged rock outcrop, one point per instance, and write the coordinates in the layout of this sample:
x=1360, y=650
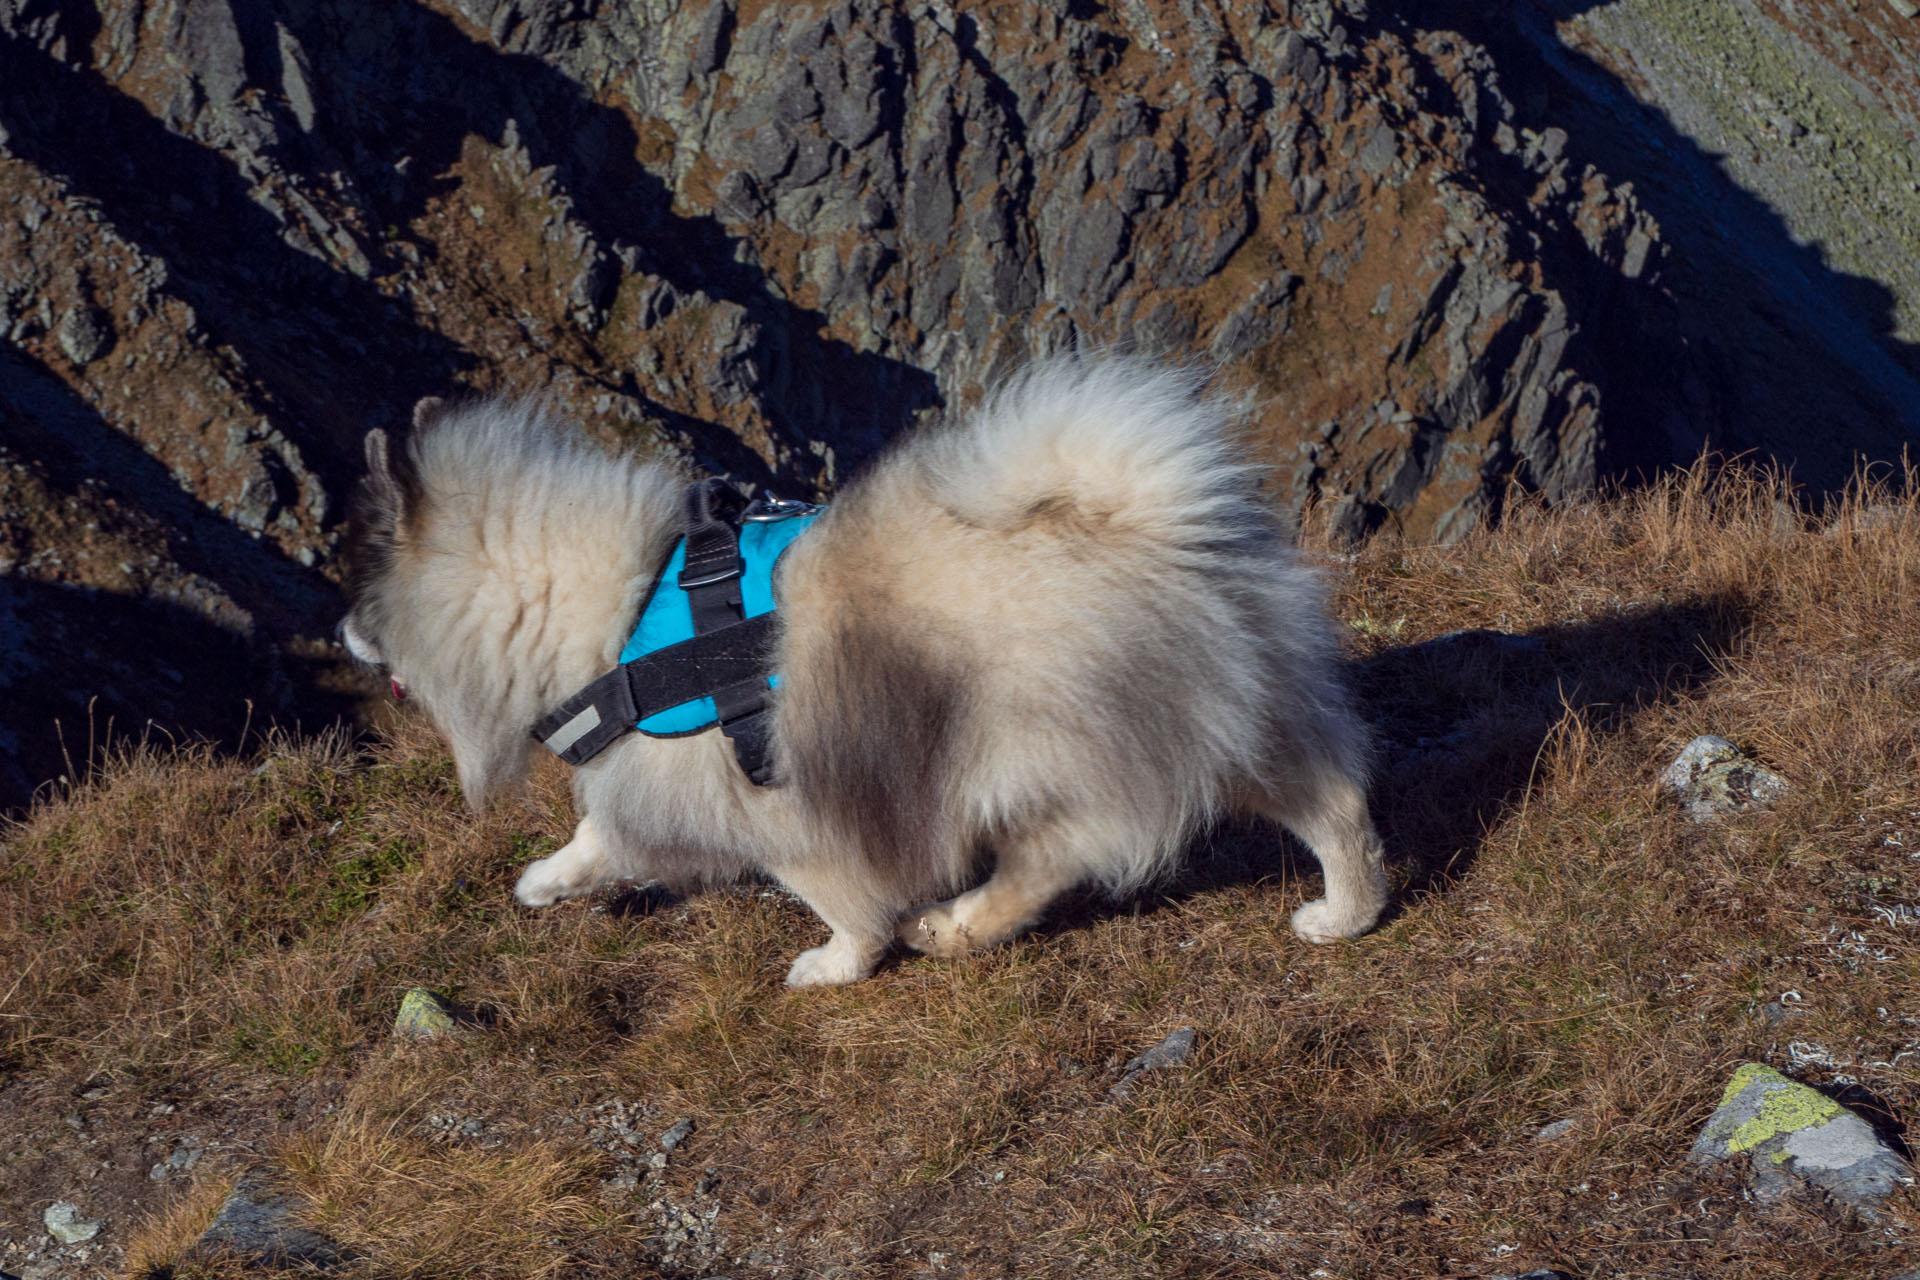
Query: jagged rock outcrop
x=238, y=233
x=1776, y=144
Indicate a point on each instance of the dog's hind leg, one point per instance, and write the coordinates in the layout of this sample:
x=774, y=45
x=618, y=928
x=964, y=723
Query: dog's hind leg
x=861, y=919
x=1031, y=871
x=1329, y=815
x=578, y=867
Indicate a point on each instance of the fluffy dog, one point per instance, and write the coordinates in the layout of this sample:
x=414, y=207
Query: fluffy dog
x=1057, y=636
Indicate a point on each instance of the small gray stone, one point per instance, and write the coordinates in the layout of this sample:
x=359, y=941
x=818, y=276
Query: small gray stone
x=1545, y=1273
x=679, y=1133
x=1381, y=149
x=260, y=1226
x=1789, y=1131
x=82, y=336
x=64, y=1223
x=1171, y=1052
x=1558, y=1129
x=1906, y=9
x=1711, y=777
x=1773, y=1013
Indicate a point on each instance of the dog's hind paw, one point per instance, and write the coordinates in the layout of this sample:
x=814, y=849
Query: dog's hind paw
x=834, y=965
x=935, y=931
x=1318, y=922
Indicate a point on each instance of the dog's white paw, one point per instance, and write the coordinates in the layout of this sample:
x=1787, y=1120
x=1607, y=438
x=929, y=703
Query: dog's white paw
x=546, y=882
x=1318, y=922
x=935, y=931
x=834, y=965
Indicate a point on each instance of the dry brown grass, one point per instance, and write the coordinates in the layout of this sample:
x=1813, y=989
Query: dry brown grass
x=1563, y=947
x=168, y=1232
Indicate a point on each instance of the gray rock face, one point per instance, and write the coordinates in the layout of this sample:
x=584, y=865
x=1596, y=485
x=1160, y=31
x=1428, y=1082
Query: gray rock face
x=1791, y=1133
x=1711, y=778
x=768, y=237
x=261, y=1228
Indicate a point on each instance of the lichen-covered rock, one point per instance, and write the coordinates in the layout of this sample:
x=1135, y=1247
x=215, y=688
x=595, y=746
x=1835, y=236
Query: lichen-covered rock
x=1711, y=778
x=1790, y=1133
x=422, y=1016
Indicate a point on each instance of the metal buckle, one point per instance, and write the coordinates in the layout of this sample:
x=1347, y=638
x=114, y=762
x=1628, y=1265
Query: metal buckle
x=732, y=571
x=766, y=509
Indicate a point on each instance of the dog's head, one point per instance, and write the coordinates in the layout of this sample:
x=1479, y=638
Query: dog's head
x=496, y=560
x=424, y=593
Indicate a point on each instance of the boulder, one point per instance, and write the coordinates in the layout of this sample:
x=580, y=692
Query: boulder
x=260, y=1226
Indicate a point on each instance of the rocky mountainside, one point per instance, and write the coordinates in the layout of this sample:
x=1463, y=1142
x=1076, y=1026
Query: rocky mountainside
x=1778, y=143
x=236, y=234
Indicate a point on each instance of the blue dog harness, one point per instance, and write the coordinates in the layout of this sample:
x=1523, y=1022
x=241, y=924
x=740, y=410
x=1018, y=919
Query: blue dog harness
x=667, y=618
x=700, y=655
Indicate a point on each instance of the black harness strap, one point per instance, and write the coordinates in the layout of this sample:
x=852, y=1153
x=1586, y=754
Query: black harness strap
x=581, y=727
x=727, y=659
x=711, y=579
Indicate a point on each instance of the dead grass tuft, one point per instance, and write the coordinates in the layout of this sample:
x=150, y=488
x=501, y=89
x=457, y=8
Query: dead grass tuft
x=164, y=1235
x=418, y=1206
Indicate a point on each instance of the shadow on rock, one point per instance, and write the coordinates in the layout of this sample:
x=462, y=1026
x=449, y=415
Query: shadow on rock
x=333, y=354
x=83, y=669
x=185, y=639
x=1748, y=335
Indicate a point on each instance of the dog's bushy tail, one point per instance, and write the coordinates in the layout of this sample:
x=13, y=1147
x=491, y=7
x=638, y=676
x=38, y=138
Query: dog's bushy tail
x=1113, y=443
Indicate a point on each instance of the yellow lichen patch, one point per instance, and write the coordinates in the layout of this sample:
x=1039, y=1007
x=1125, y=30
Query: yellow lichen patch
x=1788, y=1110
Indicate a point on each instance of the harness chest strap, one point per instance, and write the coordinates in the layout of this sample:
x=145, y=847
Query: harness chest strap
x=711, y=577
x=719, y=673
x=588, y=722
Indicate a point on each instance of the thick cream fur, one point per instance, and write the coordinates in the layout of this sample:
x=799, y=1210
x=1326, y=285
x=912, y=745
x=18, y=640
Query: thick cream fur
x=1063, y=629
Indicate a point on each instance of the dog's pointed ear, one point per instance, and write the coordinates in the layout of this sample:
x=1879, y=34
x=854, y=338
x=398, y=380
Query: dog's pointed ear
x=427, y=410
x=379, y=465
x=391, y=484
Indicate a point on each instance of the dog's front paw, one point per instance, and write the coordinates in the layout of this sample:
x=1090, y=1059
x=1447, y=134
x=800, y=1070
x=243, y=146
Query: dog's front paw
x=834, y=965
x=1318, y=922
x=545, y=882
x=935, y=931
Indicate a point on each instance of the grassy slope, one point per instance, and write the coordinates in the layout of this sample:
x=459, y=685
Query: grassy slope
x=234, y=936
